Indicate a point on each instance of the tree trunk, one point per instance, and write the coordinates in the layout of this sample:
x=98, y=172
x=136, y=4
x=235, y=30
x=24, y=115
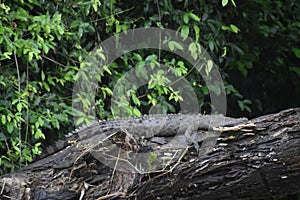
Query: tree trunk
x=248, y=162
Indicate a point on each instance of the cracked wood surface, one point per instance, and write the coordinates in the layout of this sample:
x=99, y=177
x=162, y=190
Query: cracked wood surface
x=247, y=163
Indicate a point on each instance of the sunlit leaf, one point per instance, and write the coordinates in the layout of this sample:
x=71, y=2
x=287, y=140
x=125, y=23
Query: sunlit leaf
x=224, y=2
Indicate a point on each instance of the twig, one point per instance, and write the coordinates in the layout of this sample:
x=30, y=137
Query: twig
x=50, y=59
x=114, y=170
x=2, y=189
x=3, y=186
x=112, y=195
x=19, y=100
x=27, y=100
x=159, y=44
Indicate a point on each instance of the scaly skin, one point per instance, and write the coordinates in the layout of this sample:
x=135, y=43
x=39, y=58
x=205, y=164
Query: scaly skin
x=147, y=126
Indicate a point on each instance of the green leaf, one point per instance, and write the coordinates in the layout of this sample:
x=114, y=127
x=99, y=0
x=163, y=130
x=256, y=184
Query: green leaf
x=185, y=30
x=208, y=67
x=186, y=18
x=107, y=69
x=234, y=28
x=136, y=112
x=173, y=44
x=21, y=14
x=38, y=134
x=243, y=105
x=135, y=100
x=47, y=29
x=224, y=28
x=194, y=17
x=118, y=27
x=3, y=119
x=180, y=64
x=197, y=32
x=211, y=45
x=99, y=52
x=43, y=75
x=193, y=50
x=36, y=150
x=10, y=127
x=79, y=121
x=141, y=70
x=45, y=48
x=241, y=67
x=1, y=31
x=205, y=90
x=138, y=56
x=8, y=118
x=296, y=52
x=204, y=17
x=152, y=57
x=19, y=106
x=236, y=48
x=14, y=101
x=46, y=86
x=60, y=30
x=40, y=121
x=224, y=52
x=296, y=70
x=107, y=90
x=215, y=88
x=95, y=5
x=30, y=56
x=233, y=3
x=151, y=84
x=5, y=56
x=224, y=3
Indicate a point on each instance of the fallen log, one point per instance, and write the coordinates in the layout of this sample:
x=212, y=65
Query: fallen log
x=260, y=160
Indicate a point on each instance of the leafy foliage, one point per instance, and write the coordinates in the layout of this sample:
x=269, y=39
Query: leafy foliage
x=43, y=45
x=265, y=52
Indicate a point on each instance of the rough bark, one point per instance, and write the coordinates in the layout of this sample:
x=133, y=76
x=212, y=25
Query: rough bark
x=258, y=162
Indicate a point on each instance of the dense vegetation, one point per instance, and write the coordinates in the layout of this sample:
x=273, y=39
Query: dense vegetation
x=43, y=44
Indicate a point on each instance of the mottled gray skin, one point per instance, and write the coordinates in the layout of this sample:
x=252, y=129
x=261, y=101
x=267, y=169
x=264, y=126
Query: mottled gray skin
x=163, y=124
x=147, y=126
